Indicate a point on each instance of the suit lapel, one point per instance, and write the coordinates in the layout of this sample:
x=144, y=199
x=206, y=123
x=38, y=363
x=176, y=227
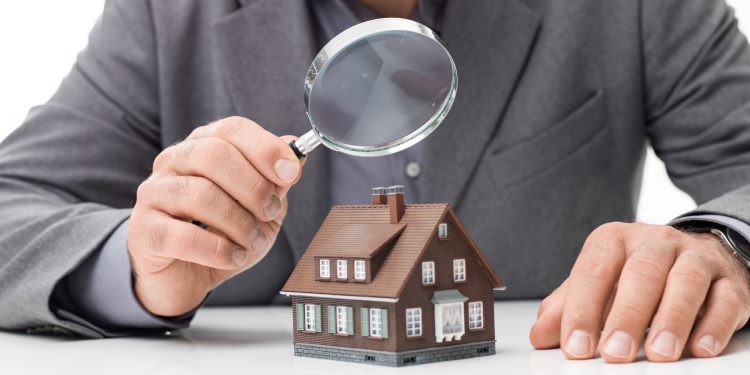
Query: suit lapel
x=490, y=52
x=266, y=48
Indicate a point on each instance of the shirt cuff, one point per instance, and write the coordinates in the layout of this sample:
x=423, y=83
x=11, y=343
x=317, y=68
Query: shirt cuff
x=101, y=289
x=739, y=226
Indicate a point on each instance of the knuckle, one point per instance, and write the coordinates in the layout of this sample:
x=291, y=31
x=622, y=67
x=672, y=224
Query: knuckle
x=185, y=239
x=667, y=233
x=215, y=152
x=647, y=268
x=157, y=238
x=593, y=269
x=607, y=230
x=230, y=126
x=692, y=274
x=163, y=158
x=205, y=194
x=179, y=187
x=677, y=312
x=628, y=314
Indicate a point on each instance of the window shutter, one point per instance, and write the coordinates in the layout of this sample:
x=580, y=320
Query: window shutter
x=350, y=320
x=384, y=322
x=331, y=319
x=364, y=320
x=300, y=317
x=317, y=319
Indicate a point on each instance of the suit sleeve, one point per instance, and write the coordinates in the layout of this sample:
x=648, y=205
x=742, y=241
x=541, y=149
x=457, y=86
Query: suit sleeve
x=696, y=71
x=68, y=175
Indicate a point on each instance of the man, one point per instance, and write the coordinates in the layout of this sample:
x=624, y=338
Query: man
x=541, y=157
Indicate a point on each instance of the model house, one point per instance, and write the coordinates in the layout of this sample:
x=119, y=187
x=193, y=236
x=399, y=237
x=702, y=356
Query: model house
x=392, y=284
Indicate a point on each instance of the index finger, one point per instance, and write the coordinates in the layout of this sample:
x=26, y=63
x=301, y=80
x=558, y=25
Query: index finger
x=590, y=285
x=268, y=153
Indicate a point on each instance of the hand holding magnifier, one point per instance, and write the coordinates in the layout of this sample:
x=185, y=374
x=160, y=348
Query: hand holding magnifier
x=377, y=88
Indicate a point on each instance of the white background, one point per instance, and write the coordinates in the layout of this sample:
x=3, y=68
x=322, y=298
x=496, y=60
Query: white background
x=40, y=39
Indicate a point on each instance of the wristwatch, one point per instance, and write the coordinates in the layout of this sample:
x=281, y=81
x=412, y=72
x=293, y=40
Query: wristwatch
x=735, y=243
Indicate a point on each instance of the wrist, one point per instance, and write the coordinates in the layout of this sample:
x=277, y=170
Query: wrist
x=165, y=300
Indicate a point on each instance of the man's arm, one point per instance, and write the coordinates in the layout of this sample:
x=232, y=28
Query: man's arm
x=638, y=284
x=68, y=176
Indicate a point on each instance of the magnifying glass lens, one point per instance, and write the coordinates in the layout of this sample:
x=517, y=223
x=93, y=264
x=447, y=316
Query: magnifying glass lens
x=381, y=89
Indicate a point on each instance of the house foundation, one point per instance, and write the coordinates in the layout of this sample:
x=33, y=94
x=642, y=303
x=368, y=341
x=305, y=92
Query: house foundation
x=414, y=357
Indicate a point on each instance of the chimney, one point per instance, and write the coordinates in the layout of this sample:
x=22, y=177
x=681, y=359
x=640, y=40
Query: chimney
x=379, y=195
x=396, y=202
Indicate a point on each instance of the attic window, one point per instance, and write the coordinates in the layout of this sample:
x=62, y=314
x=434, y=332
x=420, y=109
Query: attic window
x=341, y=269
x=443, y=231
x=359, y=270
x=325, y=269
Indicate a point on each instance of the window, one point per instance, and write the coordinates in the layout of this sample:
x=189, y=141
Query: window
x=476, y=315
x=428, y=273
x=341, y=321
x=459, y=269
x=310, y=318
x=376, y=327
x=443, y=231
x=359, y=270
x=325, y=269
x=449, y=321
x=341, y=269
x=414, y=322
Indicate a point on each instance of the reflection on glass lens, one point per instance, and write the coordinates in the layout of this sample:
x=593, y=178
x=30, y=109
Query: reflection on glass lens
x=380, y=89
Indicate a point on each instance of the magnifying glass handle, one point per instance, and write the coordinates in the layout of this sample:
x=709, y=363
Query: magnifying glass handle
x=304, y=144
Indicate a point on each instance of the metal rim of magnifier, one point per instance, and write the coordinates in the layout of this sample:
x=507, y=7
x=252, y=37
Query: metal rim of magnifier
x=339, y=44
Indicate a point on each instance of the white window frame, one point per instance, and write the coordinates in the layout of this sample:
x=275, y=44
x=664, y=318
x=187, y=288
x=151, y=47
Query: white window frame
x=341, y=323
x=309, y=317
x=476, y=315
x=428, y=273
x=414, y=322
x=376, y=326
x=324, y=270
x=443, y=231
x=459, y=270
x=341, y=272
x=359, y=270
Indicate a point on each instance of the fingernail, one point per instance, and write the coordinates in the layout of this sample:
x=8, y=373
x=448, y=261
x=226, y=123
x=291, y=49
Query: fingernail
x=272, y=207
x=239, y=257
x=708, y=343
x=286, y=169
x=665, y=344
x=619, y=345
x=578, y=344
x=258, y=239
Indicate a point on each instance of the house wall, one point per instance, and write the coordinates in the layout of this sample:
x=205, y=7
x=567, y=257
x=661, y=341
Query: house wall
x=356, y=341
x=477, y=287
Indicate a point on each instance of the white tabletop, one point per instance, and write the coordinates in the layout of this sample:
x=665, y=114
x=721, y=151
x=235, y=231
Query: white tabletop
x=258, y=340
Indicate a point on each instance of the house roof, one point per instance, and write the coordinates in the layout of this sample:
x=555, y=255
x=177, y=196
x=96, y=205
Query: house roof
x=360, y=240
x=420, y=222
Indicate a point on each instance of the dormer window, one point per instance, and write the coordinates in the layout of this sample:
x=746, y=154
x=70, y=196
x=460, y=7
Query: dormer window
x=459, y=270
x=428, y=273
x=341, y=269
x=443, y=231
x=359, y=270
x=325, y=269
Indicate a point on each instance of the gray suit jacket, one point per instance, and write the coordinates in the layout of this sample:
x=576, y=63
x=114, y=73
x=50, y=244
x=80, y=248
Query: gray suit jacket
x=546, y=139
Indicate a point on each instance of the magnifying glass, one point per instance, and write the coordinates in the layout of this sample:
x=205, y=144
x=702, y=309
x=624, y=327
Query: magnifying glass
x=377, y=88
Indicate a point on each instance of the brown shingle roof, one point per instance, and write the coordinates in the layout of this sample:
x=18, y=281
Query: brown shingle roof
x=361, y=240
x=421, y=224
